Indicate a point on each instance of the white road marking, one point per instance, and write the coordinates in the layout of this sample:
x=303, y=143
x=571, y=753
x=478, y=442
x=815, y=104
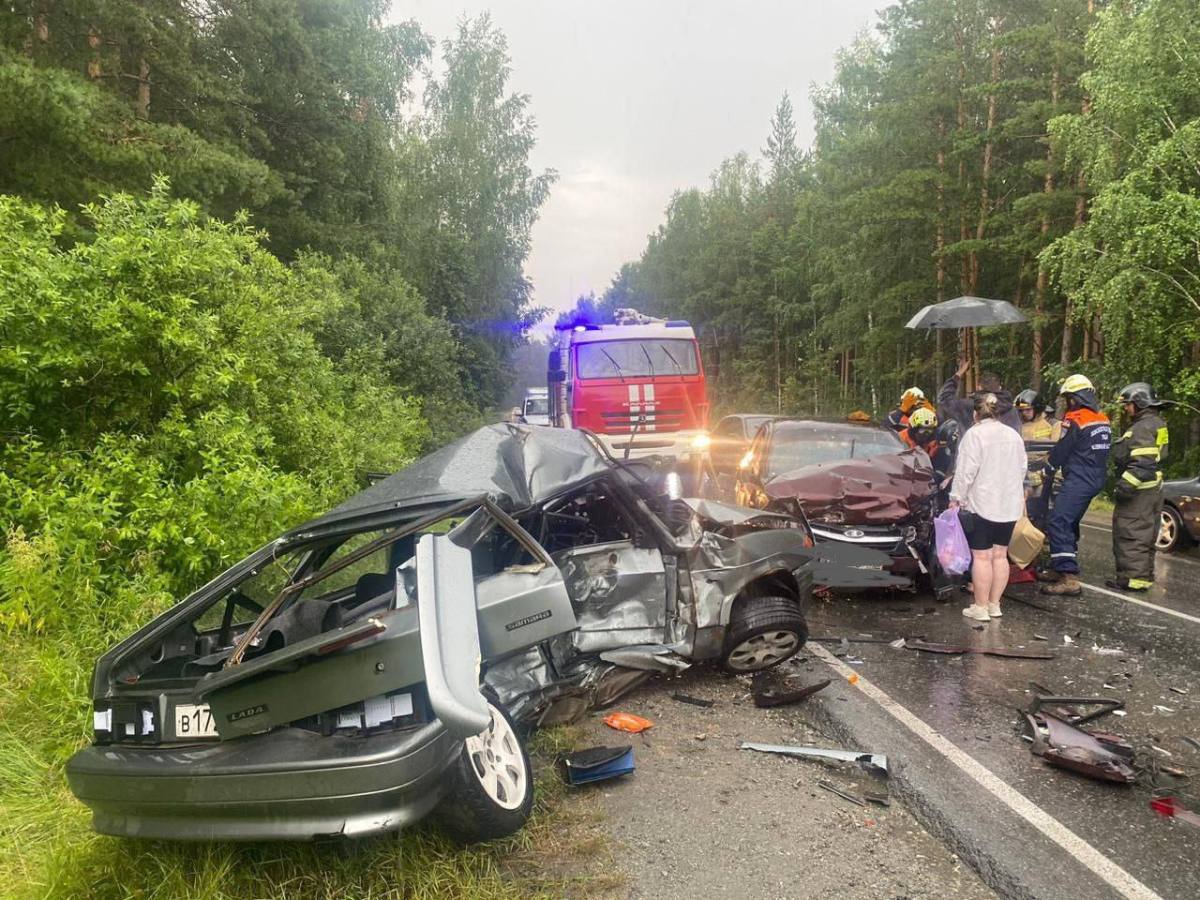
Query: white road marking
x=1145, y=603
x=1104, y=868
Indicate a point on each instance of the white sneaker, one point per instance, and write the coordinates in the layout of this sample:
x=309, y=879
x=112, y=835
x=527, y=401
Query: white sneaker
x=978, y=613
x=994, y=610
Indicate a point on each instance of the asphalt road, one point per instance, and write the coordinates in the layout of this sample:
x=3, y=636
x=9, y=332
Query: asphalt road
x=1143, y=652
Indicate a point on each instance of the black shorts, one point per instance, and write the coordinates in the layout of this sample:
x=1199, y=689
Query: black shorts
x=983, y=534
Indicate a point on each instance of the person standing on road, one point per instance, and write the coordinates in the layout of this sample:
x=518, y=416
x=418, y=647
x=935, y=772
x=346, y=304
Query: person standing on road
x=989, y=492
x=1138, y=454
x=1082, y=454
x=951, y=406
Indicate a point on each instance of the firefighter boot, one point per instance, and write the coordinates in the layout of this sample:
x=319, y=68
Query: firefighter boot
x=1066, y=586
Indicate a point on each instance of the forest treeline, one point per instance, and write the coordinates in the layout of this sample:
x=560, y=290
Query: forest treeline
x=249, y=251
x=1045, y=152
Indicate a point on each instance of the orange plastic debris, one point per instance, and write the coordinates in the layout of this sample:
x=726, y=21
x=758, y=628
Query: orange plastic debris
x=623, y=721
x=853, y=679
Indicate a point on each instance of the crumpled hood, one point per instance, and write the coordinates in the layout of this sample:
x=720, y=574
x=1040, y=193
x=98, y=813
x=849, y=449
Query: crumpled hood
x=879, y=490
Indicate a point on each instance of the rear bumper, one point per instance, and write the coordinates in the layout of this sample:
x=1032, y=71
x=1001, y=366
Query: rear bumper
x=288, y=784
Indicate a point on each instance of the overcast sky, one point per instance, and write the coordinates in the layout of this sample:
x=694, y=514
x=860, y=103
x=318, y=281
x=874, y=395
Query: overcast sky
x=635, y=99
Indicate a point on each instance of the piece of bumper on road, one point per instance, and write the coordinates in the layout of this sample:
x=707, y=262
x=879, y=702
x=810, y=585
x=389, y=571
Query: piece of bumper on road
x=289, y=784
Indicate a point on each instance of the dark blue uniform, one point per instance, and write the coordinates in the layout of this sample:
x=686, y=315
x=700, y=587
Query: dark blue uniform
x=1082, y=454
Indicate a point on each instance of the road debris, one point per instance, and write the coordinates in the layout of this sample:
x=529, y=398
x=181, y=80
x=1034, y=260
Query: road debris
x=1099, y=755
x=834, y=789
x=1190, y=741
x=1163, y=709
x=1108, y=651
x=1067, y=639
x=623, y=721
x=693, y=701
x=898, y=643
x=956, y=649
x=872, y=762
x=1169, y=807
x=878, y=799
x=1040, y=637
x=766, y=695
x=598, y=764
x=1178, y=690
x=1066, y=708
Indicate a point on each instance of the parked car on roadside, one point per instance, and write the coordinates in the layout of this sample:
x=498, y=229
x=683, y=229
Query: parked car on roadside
x=380, y=662
x=858, y=484
x=1180, y=514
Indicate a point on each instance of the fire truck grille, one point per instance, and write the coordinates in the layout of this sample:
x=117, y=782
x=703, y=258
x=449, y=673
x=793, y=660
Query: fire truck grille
x=624, y=421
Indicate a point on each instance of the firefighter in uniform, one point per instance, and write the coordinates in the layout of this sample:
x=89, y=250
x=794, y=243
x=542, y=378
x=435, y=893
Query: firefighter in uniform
x=1082, y=454
x=1138, y=454
x=910, y=401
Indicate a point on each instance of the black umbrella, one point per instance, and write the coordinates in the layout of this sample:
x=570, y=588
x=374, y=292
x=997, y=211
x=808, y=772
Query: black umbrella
x=967, y=312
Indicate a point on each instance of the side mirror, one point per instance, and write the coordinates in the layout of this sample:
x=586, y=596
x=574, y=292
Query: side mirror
x=556, y=375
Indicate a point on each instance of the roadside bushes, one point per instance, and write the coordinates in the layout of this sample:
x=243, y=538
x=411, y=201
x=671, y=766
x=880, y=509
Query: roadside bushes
x=165, y=406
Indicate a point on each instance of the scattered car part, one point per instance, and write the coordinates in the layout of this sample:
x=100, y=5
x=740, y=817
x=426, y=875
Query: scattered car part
x=834, y=789
x=878, y=799
x=693, y=701
x=623, y=721
x=1103, y=757
x=872, y=762
x=598, y=764
x=1169, y=807
x=1061, y=707
x=956, y=649
x=766, y=696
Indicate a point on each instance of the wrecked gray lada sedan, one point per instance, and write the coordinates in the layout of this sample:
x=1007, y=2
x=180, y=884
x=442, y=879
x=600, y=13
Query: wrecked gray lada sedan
x=383, y=661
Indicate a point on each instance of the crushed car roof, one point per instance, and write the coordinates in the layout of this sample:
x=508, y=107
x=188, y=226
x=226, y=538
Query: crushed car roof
x=519, y=466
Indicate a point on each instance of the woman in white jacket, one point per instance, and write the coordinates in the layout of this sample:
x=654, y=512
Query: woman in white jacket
x=989, y=493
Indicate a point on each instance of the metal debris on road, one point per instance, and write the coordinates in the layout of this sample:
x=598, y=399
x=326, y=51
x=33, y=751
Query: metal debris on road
x=1099, y=755
x=1067, y=639
x=693, y=701
x=1066, y=708
x=1190, y=741
x=765, y=695
x=898, y=643
x=1178, y=690
x=834, y=789
x=878, y=799
x=1165, y=709
x=1040, y=637
x=869, y=761
x=956, y=649
x=1108, y=651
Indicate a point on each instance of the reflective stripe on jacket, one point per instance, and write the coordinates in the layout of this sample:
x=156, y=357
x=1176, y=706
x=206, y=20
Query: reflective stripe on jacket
x=1140, y=452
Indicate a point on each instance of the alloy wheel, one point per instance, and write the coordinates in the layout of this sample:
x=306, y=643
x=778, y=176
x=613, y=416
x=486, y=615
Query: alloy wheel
x=495, y=755
x=762, y=650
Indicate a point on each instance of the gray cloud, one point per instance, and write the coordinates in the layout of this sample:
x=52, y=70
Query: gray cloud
x=635, y=100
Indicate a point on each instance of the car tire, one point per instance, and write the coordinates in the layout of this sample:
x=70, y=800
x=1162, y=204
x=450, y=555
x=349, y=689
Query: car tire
x=491, y=784
x=763, y=632
x=1171, y=532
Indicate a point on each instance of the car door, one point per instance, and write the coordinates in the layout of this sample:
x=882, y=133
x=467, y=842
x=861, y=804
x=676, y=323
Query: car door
x=749, y=487
x=728, y=444
x=618, y=592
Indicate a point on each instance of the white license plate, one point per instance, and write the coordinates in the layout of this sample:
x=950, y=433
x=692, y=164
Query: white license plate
x=193, y=721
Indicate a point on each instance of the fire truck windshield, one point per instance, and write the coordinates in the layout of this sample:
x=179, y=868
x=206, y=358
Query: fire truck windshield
x=636, y=358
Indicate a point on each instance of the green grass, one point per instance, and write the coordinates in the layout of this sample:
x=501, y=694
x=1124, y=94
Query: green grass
x=1101, y=504
x=47, y=848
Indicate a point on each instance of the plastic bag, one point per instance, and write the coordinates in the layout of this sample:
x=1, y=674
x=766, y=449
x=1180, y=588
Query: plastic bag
x=953, y=552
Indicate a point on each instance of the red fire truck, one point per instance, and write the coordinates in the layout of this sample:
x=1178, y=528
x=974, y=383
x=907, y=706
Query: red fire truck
x=638, y=384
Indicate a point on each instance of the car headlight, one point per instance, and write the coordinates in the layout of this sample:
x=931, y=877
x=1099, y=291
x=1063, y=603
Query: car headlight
x=701, y=442
x=746, y=461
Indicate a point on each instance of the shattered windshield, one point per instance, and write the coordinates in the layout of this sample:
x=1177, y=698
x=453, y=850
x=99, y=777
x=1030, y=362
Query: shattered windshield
x=636, y=359
x=797, y=446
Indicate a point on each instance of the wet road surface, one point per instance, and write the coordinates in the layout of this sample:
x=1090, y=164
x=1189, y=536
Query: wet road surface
x=973, y=700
